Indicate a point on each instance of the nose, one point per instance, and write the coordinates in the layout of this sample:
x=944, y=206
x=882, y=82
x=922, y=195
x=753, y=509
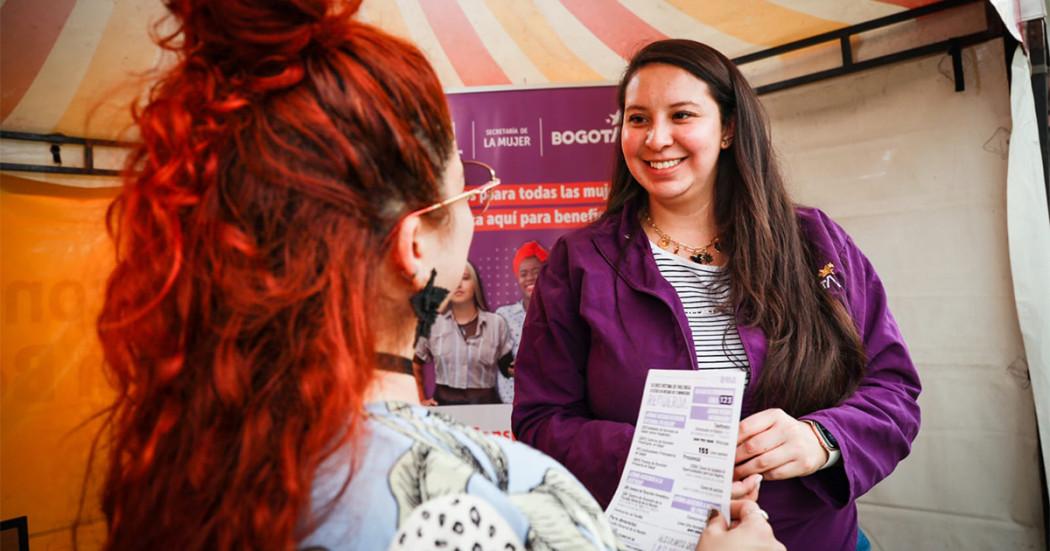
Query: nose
x=659, y=135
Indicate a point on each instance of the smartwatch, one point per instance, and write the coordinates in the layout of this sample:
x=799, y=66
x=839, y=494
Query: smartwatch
x=826, y=438
x=827, y=441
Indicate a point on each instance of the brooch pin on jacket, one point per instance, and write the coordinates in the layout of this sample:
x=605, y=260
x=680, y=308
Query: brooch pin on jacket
x=827, y=276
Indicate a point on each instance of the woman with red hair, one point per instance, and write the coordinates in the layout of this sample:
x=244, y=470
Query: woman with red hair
x=294, y=206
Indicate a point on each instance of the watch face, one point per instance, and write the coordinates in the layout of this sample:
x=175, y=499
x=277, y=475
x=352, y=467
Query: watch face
x=834, y=444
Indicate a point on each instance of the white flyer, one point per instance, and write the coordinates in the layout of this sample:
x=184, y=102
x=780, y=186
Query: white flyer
x=681, y=461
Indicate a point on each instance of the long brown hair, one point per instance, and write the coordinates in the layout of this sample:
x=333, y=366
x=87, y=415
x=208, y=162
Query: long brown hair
x=815, y=358
x=276, y=155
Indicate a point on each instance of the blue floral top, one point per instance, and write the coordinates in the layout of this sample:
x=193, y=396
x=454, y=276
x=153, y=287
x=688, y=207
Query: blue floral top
x=419, y=476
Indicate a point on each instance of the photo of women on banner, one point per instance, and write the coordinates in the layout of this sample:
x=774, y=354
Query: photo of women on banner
x=468, y=345
x=526, y=268
x=552, y=149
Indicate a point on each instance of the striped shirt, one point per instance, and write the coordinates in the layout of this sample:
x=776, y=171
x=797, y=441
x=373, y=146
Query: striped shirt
x=704, y=292
x=466, y=362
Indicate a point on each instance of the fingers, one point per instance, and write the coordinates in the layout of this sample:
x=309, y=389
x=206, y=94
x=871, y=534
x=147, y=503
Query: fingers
x=762, y=432
x=751, y=513
x=746, y=488
x=716, y=524
x=714, y=532
x=759, y=422
x=764, y=463
x=751, y=532
x=761, y=443
x=791, y=469
x=736, y=507
x=786, y=449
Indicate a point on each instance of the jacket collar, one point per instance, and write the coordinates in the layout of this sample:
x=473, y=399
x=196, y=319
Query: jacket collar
x=621, y=241
x=624, y=244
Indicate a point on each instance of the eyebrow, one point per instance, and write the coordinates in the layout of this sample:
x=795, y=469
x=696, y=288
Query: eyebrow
x=673, y=105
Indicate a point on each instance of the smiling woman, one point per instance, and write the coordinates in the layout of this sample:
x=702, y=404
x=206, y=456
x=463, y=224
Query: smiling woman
x=710, y=265
x=672, y=136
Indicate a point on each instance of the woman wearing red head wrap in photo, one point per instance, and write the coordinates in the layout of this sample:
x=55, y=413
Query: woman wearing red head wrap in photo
x=294, y=206
x=526, y=265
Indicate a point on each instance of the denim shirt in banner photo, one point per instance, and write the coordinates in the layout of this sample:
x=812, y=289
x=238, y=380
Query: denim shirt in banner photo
x=514, y=315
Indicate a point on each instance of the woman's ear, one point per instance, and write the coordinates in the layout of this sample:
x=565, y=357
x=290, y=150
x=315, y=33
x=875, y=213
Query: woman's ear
x=407, y=251
x=728, y=132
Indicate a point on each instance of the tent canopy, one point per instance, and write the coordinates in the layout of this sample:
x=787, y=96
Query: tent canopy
x=73, y=66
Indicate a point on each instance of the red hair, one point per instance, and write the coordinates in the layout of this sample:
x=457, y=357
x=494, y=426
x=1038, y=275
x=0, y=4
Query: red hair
x=275, y=156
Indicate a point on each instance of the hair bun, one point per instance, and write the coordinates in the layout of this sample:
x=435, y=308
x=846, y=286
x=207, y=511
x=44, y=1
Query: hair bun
x=260, y=41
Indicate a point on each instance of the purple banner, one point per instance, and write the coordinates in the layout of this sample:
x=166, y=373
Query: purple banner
x=553, y=149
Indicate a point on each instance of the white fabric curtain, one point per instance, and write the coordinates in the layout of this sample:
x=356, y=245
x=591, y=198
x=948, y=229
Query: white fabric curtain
x=917, y=173
x=1029, y=231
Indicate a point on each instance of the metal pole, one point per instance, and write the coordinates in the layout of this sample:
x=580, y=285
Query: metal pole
x=1035, y=39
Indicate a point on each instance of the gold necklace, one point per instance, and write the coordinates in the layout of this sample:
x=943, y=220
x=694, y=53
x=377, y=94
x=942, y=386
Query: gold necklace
x=700, y=255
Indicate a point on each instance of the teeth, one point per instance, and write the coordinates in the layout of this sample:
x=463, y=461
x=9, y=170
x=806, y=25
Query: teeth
x=659, y=165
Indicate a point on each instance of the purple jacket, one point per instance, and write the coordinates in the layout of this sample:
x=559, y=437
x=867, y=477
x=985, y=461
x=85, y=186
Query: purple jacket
x=601, y=316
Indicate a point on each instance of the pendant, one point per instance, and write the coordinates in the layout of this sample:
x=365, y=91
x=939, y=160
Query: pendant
x=702, y=257
x=664, y=242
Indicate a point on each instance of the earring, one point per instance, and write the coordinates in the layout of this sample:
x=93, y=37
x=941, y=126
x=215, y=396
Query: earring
x=725, y=143
x=425, y=304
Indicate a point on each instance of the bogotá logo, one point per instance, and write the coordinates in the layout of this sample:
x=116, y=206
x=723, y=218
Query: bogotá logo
x=589, y=135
